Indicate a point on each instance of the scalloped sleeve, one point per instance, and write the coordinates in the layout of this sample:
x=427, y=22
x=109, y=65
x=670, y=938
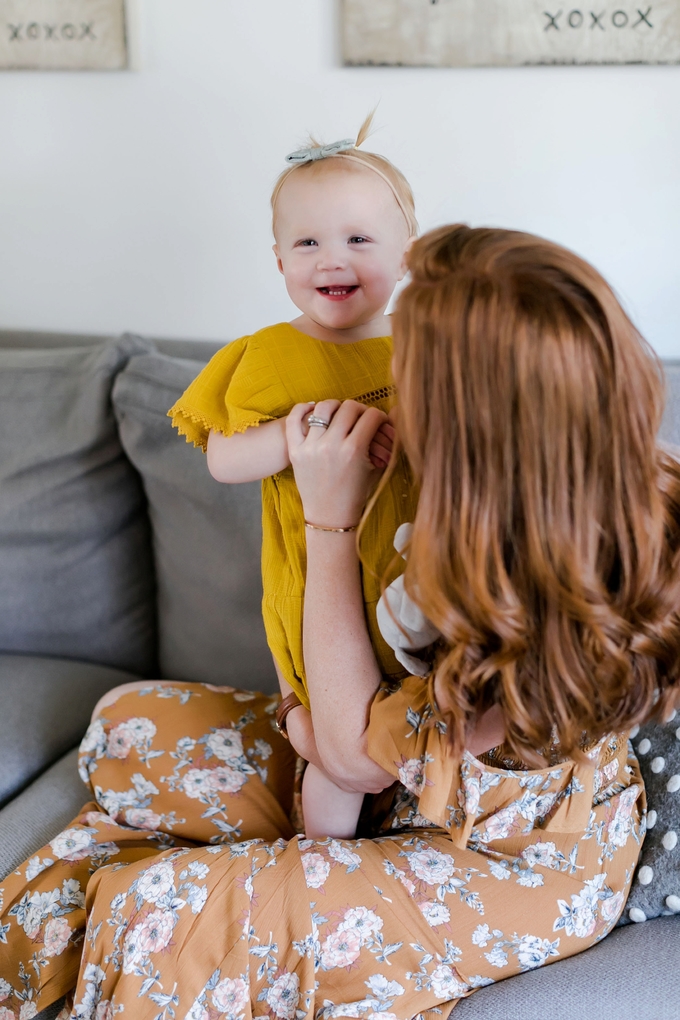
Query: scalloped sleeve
x=236, y=390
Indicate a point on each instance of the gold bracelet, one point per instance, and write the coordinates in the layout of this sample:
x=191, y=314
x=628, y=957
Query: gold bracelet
x=318, y=527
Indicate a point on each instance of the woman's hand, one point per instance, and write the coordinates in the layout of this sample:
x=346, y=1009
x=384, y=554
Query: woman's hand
x=336, y=468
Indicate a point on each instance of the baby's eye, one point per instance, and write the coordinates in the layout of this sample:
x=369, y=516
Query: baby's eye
x=306, y=242
x=358, y=239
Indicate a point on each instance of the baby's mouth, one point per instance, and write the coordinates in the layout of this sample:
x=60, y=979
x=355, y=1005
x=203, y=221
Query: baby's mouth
x=338, y=293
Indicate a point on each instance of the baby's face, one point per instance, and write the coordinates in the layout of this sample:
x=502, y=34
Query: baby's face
x=341, y=242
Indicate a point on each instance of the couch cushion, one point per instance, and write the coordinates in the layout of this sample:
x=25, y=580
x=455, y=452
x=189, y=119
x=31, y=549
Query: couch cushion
x=632, y=975
x=45, y=708
x=656, y=885
x=670, y=426
x=46, y=807
x=206, y=537
x=75, y=558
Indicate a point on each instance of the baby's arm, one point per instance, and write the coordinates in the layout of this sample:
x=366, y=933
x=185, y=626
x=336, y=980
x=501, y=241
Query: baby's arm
x=328, y=810
x=262, y=451
x=259, y=452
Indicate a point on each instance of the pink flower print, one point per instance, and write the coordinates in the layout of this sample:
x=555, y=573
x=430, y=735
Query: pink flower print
x=6, y=1014
x=104, y=1010
x=5, y=989
x=501, y=825
x=612, y=907
x=412, y=775
x=316, y=870
x=156, y=882
x=431, y=867
x=539, y=853
x=435, y=913
x=621, y=824
x=72, y=845
x=119, y=742
x=197, y=783
x=472, y=790
x=227, y=745
x=340, y=949
x=95, y=818
x=154, y=932
x=284, y=995
x=28, y=1010
x=143, y=818
x=363, y=921
x=56, y=935
x=407, y=883
x=343, y=855
x=231, y=996
x=446, y=984
x=226, y=780
x=140, y=729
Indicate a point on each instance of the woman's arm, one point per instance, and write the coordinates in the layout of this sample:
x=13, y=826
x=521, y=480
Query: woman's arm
x=334, y=472
x=259, y=452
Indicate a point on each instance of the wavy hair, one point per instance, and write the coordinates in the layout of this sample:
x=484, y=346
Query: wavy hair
x=546, y=545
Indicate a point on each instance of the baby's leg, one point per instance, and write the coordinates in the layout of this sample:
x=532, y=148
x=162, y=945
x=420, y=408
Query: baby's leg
x=328, y=810
x=112, y=696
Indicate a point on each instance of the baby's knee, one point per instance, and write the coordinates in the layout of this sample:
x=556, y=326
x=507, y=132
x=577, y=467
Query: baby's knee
x=112, y=696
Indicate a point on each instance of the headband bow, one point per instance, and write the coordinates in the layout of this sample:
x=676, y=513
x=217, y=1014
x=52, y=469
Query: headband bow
x=319, y=151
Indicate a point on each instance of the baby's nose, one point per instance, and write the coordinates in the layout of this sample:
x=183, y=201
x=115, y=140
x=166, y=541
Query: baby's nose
x=331, y=259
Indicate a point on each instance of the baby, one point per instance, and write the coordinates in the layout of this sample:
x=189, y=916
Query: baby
x=343, y=222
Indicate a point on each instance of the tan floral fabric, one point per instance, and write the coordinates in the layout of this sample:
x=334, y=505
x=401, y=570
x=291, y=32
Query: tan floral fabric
x=210, y=907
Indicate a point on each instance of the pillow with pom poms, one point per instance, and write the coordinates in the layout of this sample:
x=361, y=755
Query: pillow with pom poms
x=656, y=883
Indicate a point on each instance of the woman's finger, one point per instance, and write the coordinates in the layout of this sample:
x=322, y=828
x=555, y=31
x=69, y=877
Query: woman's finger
x=348, y=414
x=325, y=410
x=295, y=429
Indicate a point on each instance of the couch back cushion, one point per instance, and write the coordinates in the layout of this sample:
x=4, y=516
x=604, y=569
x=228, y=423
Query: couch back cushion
x=206, y=536
x=76, y=573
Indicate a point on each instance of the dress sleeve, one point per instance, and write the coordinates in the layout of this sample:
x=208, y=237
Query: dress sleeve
x=407, y=737
x=237, y=389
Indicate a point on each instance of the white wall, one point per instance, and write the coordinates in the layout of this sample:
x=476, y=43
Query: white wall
x=139, y=200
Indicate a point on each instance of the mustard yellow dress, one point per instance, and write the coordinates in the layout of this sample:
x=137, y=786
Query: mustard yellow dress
x=257, y=379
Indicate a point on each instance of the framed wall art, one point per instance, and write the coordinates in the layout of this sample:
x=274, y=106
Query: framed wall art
x=468, y=33
x=70, y=35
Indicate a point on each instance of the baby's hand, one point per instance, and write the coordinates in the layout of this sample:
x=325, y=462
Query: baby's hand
x=380, y=449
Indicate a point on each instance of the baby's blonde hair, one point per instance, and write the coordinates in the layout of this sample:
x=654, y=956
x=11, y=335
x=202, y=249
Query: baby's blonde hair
x=393, y=177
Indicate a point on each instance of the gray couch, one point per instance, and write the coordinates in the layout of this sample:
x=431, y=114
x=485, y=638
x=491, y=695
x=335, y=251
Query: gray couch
x=120, y=558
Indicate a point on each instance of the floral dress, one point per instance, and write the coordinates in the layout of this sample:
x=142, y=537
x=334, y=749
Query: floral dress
x=211, y=908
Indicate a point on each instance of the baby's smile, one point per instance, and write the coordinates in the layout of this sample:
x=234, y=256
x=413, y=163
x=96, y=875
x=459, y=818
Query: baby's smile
x=338, y=293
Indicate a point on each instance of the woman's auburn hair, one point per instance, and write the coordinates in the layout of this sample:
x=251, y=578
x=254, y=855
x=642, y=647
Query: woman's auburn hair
x=546, y=544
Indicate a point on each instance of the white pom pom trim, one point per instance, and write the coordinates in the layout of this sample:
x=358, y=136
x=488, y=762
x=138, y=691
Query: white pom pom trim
x=673, y=903
x=651, y=818
x=658, y=764
x=670, y=840
x=645, y=875
x=673, y=784
x=644, y=746
x=637, y=915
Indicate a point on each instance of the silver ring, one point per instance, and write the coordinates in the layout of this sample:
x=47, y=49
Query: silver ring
x=319, y=422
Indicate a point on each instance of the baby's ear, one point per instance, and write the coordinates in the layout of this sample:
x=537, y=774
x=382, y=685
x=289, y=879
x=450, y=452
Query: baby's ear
x=404, y=262
x=279, y=263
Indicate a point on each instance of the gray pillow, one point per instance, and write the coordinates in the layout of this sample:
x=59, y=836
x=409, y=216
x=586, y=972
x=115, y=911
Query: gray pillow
x=206, y=537
x=656, y=884
x=76, y=575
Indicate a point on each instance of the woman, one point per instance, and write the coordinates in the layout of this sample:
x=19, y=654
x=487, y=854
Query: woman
x=506, y=810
